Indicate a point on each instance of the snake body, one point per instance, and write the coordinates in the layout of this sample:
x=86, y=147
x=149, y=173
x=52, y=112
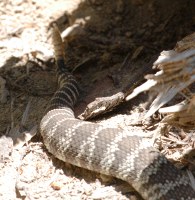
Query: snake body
x=109, y=151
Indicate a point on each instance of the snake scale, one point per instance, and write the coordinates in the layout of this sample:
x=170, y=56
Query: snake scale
x=109, y=151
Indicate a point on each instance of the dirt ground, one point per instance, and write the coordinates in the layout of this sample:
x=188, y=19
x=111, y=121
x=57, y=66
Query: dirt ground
x=100, y=36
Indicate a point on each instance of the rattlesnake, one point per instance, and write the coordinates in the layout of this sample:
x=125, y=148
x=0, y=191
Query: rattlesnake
x=108, y=151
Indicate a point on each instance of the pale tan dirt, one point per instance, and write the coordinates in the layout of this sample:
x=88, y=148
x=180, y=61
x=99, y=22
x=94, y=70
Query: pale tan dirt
x=108, y=31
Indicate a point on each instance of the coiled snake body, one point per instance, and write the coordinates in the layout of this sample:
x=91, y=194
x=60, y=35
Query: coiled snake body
x=109, y=151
